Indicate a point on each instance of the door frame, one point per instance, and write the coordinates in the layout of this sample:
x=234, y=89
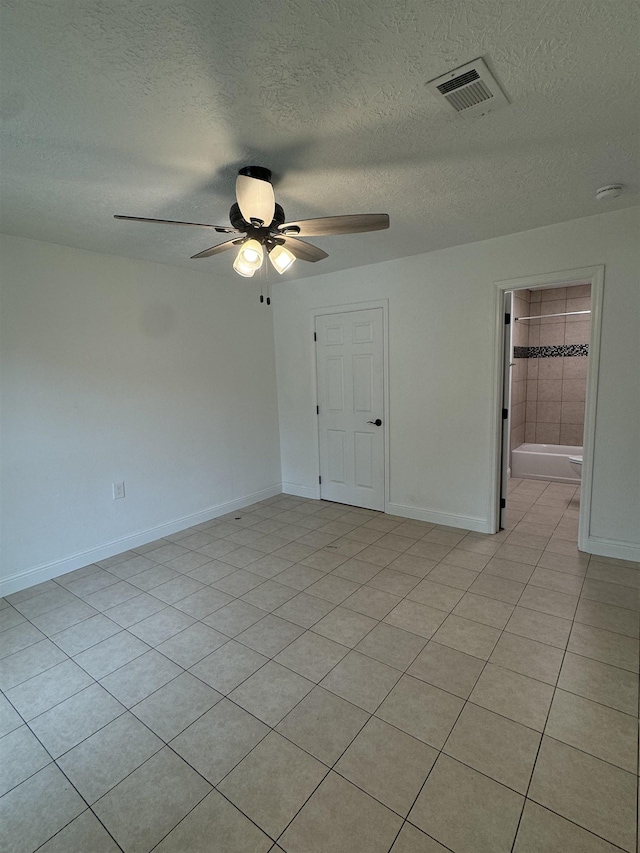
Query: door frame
x=344, y=309
x=587, y=275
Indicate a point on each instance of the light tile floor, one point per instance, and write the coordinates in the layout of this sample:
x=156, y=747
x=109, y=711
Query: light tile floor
x=330, y=679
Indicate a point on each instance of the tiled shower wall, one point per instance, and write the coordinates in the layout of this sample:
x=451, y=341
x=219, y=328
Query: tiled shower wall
x=556, y=387
x=548, y=394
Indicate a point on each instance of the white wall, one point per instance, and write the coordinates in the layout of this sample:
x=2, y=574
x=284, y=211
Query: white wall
x=114, y=369
x=441, y=351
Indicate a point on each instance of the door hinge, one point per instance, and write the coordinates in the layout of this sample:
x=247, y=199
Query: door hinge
x=315, y=337
x=320, y=480
x=503, y=503
x=507, y=319
x=505, y=414
x=317, y=410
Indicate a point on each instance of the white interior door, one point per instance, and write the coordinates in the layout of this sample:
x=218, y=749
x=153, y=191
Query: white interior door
x=350, y=365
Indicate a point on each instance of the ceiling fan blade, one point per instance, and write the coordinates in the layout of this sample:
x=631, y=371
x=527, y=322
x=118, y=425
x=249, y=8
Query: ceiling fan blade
x=215, y=250
x=255, y=199
x=326, y=225
x=221, y=229
x=303, y=251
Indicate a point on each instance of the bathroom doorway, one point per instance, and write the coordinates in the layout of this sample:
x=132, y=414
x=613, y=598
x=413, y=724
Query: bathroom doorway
x=546, y=370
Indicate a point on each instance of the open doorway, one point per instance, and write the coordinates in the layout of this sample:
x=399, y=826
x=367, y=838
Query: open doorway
x=548, y=357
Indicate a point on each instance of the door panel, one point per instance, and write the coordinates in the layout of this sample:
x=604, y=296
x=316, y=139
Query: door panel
x=334, y=368
x=350, y=370
x=362, y=383
x=364, y=457
x=336, y=456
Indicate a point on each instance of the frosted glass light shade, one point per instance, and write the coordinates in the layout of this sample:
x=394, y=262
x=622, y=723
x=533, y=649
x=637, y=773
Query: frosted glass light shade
x=241, y=267
x=281, y=258
x=252, y=254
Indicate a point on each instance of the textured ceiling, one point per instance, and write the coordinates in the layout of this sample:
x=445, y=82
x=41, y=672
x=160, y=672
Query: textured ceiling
x=149, y=108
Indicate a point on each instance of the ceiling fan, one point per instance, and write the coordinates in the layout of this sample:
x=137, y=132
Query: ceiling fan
x=261, y=228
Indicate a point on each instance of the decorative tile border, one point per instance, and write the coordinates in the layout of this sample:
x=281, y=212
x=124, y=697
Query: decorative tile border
x=560, y=351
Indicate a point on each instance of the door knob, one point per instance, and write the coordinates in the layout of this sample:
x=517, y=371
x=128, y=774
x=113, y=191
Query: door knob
x=377, y=422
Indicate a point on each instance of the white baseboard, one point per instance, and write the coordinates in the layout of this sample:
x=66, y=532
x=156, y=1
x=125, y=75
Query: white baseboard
x=312, y=492
x=611, y=548
x=478, y=525
x=38, y=574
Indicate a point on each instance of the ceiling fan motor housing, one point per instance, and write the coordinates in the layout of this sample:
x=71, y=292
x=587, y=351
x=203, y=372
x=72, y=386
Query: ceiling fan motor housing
x=237, y=220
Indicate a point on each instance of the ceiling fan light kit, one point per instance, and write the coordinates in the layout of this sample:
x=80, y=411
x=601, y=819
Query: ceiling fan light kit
x=281, y=258
x=260, y=224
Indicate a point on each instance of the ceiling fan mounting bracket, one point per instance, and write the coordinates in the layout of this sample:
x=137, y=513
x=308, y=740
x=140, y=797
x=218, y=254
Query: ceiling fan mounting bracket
x=259, y=172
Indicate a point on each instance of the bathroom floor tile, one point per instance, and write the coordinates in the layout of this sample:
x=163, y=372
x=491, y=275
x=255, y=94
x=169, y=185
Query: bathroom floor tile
x=539, y=626
x=344, y=626
x=271, y=784
x=271, y=692
x=146, y=805
x=136, y=680
x=444, y=667
x=516, y=696
x=339, y=816
x=587, y=791
x=609, y=685
x=312, y=655
x=416, y=618
x=228, y=666
x=169, y=710
x=234, y=833
x=22, y=756
x=604, y=646
x=84, y=833
x=219, y=739
x=270, y=636
x=39, y=807
x=391, y=645
x=361, y=680
x=233, y=618
x=38, y=694
x=466, y=636
x=528, y=657
x=102, y=760
x=421, y=710
x=541, y=829
x=436, y=595
x=192, y=645
x=466, y=811
x=594, y=728
x=304, y=610
x=388, y=764
x=494, y=745
x=323, y=724
x=70, y=722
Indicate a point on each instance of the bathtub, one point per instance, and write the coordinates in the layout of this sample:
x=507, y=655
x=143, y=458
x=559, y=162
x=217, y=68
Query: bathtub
x=544, y=462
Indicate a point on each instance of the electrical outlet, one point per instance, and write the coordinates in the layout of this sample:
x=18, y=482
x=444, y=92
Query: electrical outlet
x=118, y=491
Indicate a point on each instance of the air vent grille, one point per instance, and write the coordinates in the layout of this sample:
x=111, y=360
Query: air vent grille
x=462, y=80
x=469, y=90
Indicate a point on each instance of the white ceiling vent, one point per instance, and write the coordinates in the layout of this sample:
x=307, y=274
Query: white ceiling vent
x=469, y=90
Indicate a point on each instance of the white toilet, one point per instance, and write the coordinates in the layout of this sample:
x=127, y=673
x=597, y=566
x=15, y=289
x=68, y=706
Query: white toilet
x=576, y=464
